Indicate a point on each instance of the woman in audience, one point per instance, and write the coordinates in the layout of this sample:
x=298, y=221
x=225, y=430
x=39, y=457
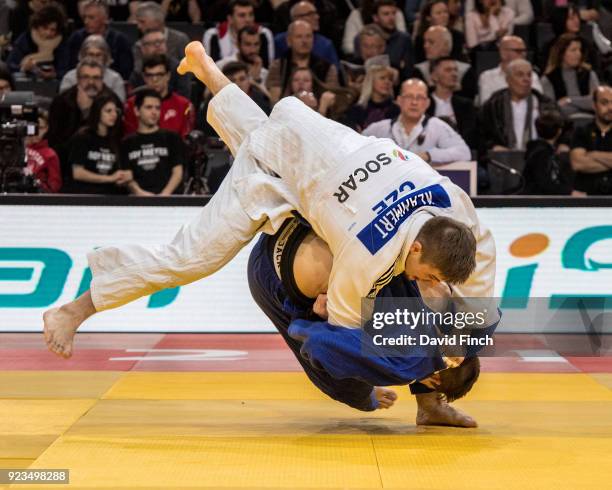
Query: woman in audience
x=435, y=13
x=96, y=47
x=487, y=23
x=94, y=154
x=568, y=79
x=363, y=16
x=42, y=51
x=567, y=20
x=376, y=101
x=329, y=103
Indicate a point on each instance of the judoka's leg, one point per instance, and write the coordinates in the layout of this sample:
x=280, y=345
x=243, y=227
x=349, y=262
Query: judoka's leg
x=267, y=292
x=123, y=274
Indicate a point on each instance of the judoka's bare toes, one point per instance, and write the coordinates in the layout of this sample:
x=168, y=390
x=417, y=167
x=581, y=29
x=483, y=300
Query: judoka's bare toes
x=385, y=397
x=443, y=414
x=196, y=61
x=59, y=331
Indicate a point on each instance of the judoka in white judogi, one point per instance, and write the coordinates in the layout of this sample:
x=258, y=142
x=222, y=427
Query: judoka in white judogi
x=364, y=196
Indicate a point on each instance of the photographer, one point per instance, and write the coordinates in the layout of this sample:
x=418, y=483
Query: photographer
x=42, y=161
x=42, y=52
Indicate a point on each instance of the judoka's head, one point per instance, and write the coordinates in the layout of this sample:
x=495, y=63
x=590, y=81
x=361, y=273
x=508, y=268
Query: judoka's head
x=443, y=250
x=455, y=383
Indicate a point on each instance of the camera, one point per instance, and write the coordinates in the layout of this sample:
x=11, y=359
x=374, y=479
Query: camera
x=197, y=184
x=18, y=119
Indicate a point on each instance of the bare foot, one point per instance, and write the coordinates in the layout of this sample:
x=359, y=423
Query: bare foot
x=59, y=331
x=385, y=397
x=434, y=410
x=196, y=61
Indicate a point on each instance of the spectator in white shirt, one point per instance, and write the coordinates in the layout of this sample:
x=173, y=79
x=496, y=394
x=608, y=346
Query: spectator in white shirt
x=490, y=81
x=429, y=137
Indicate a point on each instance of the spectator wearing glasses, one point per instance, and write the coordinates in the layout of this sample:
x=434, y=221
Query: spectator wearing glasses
x=150, y=17
x=95, y=17
x=322, y=46
x=490, y=81
x=177, y=113
x=70, y=109
x=95, y=47
x=430, y=138
x=154, y=43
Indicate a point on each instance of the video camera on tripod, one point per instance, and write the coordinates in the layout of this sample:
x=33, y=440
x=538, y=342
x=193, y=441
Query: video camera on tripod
x=18, y=119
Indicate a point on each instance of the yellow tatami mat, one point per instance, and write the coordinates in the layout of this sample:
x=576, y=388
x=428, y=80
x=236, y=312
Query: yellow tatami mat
x=274, y=430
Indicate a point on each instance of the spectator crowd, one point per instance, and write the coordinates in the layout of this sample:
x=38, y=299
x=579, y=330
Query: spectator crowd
x=449, y=80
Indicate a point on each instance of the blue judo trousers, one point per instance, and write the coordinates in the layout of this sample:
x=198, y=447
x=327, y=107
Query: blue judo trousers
x=332, y=357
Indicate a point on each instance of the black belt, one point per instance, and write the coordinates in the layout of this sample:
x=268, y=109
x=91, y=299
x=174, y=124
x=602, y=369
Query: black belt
x=282, y=249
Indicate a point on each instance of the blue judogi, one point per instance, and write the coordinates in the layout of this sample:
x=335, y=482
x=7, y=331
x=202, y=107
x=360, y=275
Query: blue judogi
x=331, y=356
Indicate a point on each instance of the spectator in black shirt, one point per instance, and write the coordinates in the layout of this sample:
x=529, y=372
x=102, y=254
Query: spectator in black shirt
x=94, y=151
x=547, y=171
x=155, y=156
x=70, y=109
x=591, y=153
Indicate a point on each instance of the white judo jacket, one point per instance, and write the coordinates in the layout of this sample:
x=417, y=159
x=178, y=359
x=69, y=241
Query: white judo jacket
x=364, y=196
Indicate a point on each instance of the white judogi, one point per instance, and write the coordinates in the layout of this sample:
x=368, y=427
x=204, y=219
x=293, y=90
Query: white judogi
x=364, y=196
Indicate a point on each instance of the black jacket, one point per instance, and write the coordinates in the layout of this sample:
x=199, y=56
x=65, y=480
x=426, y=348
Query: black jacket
x=466, y=116
x=492, y=119
x=546, y=173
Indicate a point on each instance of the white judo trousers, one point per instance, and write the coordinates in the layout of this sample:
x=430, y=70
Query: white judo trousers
x=364, y=196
